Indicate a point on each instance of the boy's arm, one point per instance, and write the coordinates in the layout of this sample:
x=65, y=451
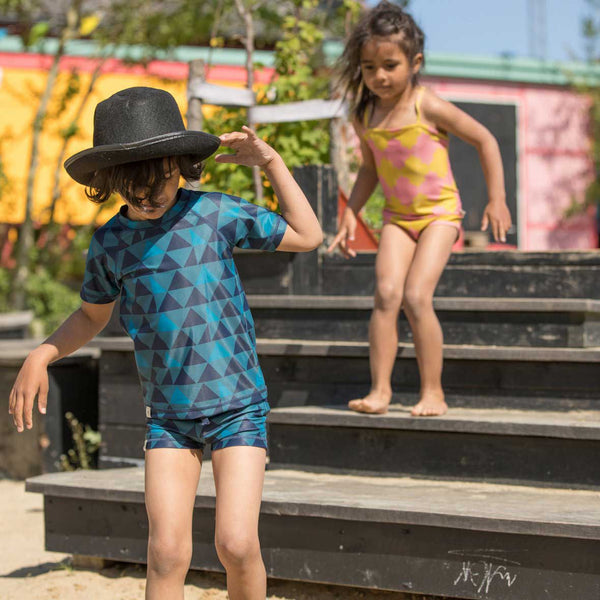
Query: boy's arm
x=449, y=117
x=303, y=232
x=32, y=378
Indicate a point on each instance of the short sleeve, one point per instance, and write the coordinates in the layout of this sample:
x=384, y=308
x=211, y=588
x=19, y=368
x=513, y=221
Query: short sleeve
x=100, y=285
x=250, y=226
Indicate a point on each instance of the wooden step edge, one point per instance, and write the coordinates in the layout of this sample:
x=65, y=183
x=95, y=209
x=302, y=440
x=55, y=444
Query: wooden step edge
x=467, y=505
x=447, y=303
x=540, y=425
x=301, y=347
x=464, y=351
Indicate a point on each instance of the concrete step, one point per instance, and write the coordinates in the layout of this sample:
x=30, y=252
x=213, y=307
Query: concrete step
x=543, y=322
x=526, y=447
x=458, y=539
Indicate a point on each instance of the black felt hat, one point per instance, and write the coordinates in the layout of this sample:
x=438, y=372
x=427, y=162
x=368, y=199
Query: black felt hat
x=137, y=124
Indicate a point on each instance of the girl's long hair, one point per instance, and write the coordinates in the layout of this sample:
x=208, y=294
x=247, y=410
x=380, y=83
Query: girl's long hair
x=384, y=20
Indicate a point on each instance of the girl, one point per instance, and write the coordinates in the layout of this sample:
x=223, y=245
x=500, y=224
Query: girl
x=168, y=255
x=403, y=132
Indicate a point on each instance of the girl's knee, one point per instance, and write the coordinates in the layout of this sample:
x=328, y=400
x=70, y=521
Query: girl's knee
x=168, y=555
x=417, y=301
x=235, y=549
x=388, y=296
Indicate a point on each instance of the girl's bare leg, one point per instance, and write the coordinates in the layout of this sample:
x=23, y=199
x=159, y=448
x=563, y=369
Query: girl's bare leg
x=171, y=481
x=433, y=251
x=396, y=251
x=239, y=474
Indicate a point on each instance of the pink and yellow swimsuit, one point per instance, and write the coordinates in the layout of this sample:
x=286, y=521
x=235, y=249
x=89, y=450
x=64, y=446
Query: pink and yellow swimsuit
x=414, y=170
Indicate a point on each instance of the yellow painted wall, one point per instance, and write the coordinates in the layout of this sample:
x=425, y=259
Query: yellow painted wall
x=18, y=103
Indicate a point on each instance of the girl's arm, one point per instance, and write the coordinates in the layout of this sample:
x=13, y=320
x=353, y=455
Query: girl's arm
x=366, y=182
x=449, y=117
x=303, y=232
x=32, y=378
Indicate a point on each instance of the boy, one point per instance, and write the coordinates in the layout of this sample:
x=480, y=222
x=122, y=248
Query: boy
x=168, y=255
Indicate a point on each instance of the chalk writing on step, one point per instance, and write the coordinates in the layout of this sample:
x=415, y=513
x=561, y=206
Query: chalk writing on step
x=482, y=573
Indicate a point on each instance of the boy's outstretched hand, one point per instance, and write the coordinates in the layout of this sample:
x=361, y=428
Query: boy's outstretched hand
x=249, y=149
x=31, y=381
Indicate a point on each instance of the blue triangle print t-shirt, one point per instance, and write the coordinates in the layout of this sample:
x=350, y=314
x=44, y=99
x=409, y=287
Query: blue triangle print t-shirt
x=182, y=300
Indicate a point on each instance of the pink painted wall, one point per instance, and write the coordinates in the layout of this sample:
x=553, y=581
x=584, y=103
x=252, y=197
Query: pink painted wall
x=553, y=165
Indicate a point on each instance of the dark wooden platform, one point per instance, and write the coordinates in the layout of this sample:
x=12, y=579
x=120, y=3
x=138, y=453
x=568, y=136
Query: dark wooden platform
x=15, y=325
x=464, y=540
x=73, y=388
x=501, y=274
x=545, y=322
x=497, y=500
x=307, y=373
x=543, y=448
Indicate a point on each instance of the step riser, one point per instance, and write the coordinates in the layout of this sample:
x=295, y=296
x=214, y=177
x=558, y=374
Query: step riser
x=299, y=380
x=494, y=281
x=295, y=379
x=442, y=561
x=436, y=454
x=556, y=330
x=491, y=274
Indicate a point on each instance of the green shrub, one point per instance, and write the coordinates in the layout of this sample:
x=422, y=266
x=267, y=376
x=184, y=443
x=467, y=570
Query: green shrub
x=50, y=300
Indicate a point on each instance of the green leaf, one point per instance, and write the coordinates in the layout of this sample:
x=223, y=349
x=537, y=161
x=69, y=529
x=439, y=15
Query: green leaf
x=38, y=32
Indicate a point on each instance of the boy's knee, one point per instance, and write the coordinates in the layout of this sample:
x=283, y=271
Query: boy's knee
x=234, y=549
x=168, y=555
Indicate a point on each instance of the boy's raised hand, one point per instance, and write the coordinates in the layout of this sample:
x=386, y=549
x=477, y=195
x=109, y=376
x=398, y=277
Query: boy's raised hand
x=31, y=381
x=249, y=149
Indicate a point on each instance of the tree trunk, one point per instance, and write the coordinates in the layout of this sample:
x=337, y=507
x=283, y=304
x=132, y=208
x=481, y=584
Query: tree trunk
x=195, y=119
x=26, y=232
x=63, y=149
x=246, y=15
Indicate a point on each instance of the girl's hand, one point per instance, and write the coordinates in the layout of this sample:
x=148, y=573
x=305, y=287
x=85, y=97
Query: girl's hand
x=32, y=380
x=249, y=149
x=498, y=215
x=345, y=234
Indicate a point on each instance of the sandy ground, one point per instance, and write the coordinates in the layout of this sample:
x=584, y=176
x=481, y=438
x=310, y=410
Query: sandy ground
x=28, y=572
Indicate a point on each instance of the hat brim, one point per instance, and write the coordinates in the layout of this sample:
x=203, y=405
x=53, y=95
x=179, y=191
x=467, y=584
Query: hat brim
x=82, y=166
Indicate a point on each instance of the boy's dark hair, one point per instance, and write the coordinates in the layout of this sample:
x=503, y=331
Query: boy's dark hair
x=141, y=181
x=383, y=20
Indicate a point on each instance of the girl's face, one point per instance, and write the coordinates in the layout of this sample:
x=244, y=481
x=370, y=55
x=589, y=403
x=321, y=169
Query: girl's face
x=386, y=70
x=163, y=203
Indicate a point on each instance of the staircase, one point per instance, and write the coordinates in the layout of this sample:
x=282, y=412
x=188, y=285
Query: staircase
x=496, y=500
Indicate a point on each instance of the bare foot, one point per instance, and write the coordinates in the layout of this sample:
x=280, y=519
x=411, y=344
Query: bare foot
x=374, y=403
x=431, y=405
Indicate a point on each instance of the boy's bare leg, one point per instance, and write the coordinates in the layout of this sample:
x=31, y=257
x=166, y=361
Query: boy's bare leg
x=396, y=251
x=171, y=482
x=432, y=254
x=239, y=473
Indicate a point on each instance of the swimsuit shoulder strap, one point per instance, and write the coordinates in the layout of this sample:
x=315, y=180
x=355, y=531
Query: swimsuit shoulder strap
x=420, y=91
x=368, y=114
